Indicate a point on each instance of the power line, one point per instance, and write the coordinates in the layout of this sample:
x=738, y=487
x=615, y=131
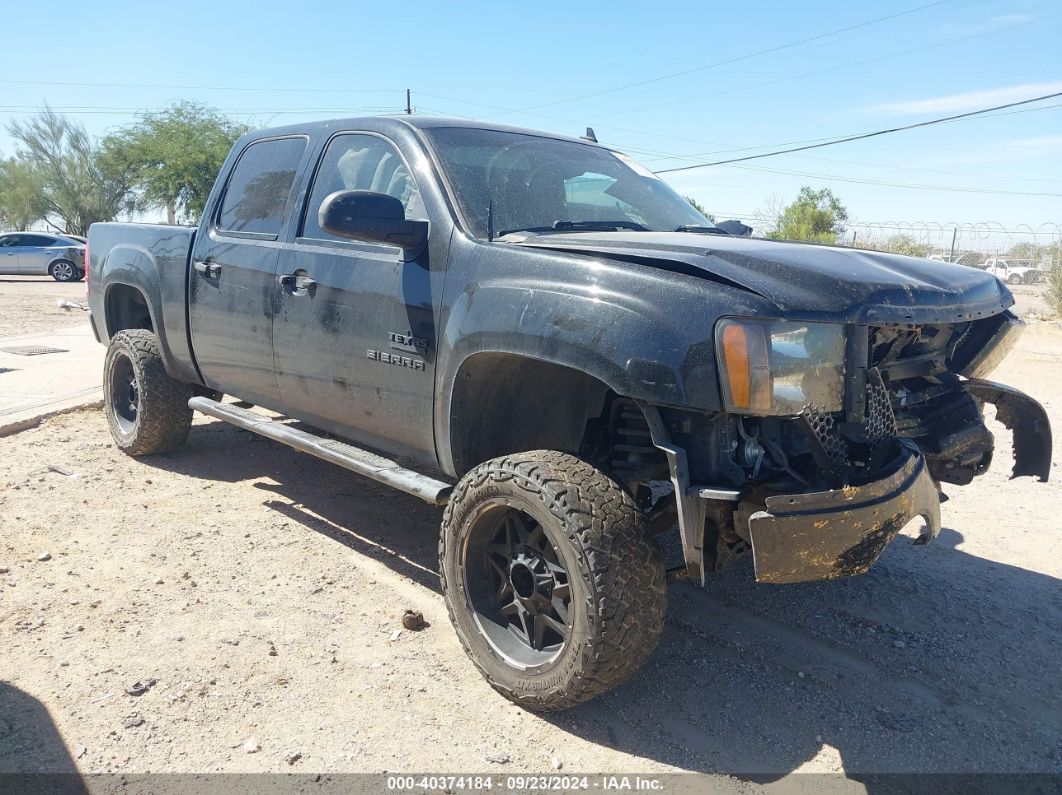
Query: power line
x=831, y=138
x=529, y=111
x=863, y=136
x=737, y=59
x=167, y=86
x=656, y=155
x=858, y=181
x=837, y=67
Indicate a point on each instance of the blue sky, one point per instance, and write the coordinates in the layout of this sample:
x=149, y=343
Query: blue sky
x=278, y=62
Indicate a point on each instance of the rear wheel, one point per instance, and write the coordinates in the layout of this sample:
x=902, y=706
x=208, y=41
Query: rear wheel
x=146, y=409
x=64, y=271
x=1014, y=279
x=555, y=589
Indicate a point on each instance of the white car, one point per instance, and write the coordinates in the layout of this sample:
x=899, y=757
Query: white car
x=1011, y=272
x=40, y=254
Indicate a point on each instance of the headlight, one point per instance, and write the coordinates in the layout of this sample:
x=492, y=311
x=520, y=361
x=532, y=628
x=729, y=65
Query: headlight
x=780, y=368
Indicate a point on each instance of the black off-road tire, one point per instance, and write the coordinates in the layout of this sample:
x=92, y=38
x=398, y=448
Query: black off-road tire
x=162, y=418
x=617, y=578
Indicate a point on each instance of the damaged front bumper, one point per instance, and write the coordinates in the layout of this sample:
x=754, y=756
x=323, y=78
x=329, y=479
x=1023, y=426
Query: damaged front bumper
x=799, y=537
x=827, y=535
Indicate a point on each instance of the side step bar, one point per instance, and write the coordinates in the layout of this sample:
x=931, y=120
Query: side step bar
x=345, y=455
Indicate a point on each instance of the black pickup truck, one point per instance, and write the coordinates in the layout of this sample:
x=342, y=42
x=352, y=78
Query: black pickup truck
x=537, y=332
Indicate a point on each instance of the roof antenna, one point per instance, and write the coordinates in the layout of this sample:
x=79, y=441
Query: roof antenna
x=409, y=107
x=589, y=135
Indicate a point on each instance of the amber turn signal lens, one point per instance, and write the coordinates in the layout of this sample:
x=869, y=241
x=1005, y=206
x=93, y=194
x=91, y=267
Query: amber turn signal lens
x=747, y=375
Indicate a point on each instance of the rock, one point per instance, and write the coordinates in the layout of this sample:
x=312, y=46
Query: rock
x=4, y=569
x=396, y=634
x=800, y=674
x=139, y=688
x=132, y=722
x=899, y=644
x=44, y=556
x=500, y=759
x=159, y=581
x=413, y=620
x=251, y=746
x=272, y=649
x=556, y=763
x=293, y=757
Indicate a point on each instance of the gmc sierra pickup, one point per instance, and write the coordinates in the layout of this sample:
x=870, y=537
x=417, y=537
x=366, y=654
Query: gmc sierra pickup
x=531, y=330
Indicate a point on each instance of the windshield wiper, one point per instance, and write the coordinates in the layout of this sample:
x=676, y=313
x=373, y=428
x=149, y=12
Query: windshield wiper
x=578, y=226
x=703, y=230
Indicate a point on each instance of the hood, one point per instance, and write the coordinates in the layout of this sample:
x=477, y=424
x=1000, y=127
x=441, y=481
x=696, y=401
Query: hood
x=806, y=279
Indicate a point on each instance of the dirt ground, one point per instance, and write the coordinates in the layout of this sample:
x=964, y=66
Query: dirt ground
x=257, y=592
x=29, y=304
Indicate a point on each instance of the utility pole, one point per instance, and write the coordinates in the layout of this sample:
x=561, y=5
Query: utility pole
x=409, y=107
x=954, y=232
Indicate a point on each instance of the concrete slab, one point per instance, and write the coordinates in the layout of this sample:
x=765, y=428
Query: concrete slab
x=35, y=387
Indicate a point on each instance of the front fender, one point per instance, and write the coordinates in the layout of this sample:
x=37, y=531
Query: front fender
x=644, y=333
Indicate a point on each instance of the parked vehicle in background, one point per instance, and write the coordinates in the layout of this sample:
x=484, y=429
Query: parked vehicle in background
x=37, y=254
x=553, y=328
x=1012, y=271
x=967, y=258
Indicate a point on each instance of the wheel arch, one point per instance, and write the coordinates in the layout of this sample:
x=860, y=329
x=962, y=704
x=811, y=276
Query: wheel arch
x=126, y=307
x=503, y=402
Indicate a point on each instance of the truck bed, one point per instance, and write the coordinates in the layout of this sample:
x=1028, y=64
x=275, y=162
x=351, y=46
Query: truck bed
x=152, y=259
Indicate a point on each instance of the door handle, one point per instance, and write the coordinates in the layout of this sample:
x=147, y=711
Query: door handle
x=297, y=283
x=209, y=269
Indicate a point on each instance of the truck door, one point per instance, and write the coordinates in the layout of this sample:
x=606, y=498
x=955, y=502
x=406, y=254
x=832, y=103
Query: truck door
x=234, y=259
x=354, y=333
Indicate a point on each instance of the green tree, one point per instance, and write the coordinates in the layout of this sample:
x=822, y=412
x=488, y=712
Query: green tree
x=696, y=205
x=905, y=244
x=1026, y=251
x=79, y=186
x=22, y=199
x=816, y=216
x=174, y=156
x=1054, y=286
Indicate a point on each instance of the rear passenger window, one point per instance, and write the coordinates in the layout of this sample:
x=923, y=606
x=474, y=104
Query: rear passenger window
x=37, y=241
x=259, y=186
x=360, y=162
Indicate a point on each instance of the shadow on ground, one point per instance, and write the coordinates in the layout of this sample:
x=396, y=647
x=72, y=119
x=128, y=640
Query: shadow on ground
x=935, y=661
x=33, y=757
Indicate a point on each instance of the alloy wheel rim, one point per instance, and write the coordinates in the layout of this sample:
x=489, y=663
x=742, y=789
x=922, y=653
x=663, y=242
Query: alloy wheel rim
x=125, y=394
x=64, y=271
x=517, y=584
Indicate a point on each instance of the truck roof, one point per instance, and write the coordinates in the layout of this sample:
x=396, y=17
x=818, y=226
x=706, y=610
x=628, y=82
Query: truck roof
x=399, y=121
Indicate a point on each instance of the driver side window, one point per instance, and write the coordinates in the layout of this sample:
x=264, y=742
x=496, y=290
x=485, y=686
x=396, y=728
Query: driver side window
x=355, y=161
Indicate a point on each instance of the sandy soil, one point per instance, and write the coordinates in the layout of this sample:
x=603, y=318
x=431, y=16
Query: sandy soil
x=28, y=304
x=260, y=589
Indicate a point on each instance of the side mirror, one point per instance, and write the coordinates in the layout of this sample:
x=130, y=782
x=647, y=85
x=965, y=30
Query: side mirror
x=372, y=218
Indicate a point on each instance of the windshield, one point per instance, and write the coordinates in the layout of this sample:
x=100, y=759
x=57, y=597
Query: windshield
x=523, y=182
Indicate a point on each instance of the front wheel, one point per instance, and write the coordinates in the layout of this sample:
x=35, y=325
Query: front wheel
x=64, y=271
x=146, y=409
x=555, y=589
